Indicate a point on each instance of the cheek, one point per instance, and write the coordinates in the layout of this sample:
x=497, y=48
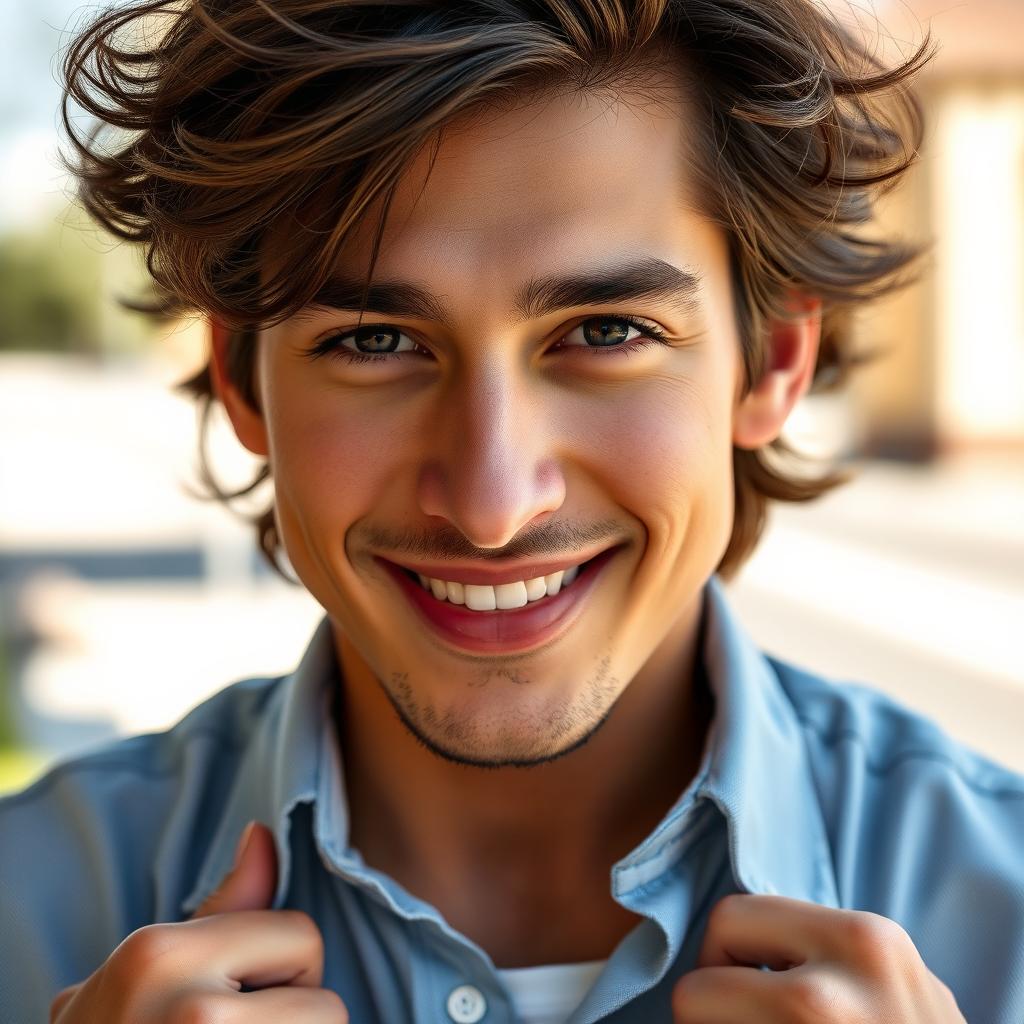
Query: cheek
x=664, y=443
x=666, y=457
x=328, y=457
x=669, y=453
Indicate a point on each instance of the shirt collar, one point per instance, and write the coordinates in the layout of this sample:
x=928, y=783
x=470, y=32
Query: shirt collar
x=279, y=766
x=759, y=773
x=755, y=771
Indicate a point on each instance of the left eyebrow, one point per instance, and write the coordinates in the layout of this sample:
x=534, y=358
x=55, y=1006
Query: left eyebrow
x=647, y=279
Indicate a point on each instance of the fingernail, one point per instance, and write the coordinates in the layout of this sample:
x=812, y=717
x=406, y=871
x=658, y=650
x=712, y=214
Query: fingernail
x=243, y=842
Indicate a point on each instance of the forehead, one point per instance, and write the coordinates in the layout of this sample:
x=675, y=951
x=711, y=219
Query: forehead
x=541, y=181
x=561, y=183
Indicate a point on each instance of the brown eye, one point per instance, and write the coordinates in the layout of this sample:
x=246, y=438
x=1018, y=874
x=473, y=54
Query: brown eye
x=375, y=343
x=605, y=335
x=606, y=331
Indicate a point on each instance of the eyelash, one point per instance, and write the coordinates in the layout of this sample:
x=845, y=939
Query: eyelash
x=330, y=345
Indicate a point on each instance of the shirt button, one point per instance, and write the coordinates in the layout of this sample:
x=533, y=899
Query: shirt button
x=466, y=1005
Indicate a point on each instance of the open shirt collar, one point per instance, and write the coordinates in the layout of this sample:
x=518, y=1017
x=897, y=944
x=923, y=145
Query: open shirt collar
x=755, y=770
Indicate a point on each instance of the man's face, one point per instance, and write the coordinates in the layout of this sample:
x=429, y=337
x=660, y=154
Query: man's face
x=488, y=435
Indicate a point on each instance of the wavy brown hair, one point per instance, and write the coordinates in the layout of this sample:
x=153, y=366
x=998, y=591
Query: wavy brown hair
x=219, y=121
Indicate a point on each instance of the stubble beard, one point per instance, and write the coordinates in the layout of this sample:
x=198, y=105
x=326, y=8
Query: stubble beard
x=525, y=742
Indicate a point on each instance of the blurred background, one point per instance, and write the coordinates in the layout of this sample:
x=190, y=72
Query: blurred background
x=124, y=601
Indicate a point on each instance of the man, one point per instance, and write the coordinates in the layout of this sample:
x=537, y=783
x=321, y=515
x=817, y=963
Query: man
x=530, y=767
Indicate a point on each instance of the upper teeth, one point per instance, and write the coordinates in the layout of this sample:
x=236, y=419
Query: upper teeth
x=504, y=595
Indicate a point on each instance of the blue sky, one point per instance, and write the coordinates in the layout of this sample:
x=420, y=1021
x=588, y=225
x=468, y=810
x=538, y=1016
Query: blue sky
x=30, y=179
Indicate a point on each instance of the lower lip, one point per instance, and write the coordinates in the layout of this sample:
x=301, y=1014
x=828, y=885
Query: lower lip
x=500, y=632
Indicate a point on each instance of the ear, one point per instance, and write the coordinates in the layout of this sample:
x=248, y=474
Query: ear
x=793, y=342
x=247, y=422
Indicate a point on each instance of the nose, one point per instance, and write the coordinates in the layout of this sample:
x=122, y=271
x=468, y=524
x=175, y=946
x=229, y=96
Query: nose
x=490, y=467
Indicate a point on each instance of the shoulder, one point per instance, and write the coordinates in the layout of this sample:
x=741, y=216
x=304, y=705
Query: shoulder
x=98, y=781
x=923, y=830
x=856, y=732
x=103, y=842
x=878, y=764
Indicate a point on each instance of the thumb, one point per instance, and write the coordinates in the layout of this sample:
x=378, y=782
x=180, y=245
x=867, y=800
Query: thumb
x=251, y=882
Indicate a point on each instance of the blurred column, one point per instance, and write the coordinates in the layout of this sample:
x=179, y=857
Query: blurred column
x=896, y=396
x=978, y=206
x=953, y=375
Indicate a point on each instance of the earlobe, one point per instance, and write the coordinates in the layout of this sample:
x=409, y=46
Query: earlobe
x=789, y=369
x=246, y=421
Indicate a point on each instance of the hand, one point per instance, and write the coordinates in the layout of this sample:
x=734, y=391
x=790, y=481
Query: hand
x=195, y=969
x=831, y=967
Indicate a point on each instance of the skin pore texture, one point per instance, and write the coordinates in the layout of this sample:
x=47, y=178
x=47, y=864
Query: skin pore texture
x=502, y=789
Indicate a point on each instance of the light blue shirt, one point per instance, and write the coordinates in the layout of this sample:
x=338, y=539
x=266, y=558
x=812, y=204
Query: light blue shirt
x=811, y=789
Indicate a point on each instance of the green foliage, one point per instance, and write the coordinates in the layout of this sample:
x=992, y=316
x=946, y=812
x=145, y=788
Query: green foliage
x=19, y=765
x=48, y=283
x=18, y=768
x=8, y=736
x=59, y=285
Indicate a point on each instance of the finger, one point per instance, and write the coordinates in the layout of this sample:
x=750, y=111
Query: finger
x=308, y=1005
x=311, y=1006
x=258, y=948
x=261, y=948
x=738, y=995
x=252, y=880
x=728, y=995
x=772, y=930
x=61, y=999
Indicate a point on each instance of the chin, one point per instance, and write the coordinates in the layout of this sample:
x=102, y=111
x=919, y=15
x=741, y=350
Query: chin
x=461, y=740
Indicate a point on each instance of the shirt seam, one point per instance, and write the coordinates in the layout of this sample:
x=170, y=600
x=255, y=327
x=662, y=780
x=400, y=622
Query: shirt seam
x=677, y=838
x=666, y=834
x=696, y=830
x=878, y=768
x=41, y=786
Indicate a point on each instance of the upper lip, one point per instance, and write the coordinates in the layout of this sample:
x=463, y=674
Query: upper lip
x=483, y=575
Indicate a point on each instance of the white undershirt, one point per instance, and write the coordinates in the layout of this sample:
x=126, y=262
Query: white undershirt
x=548, y=994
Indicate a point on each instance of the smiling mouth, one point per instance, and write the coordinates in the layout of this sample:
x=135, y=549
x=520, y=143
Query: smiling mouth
x=501, y=630
x=550, y=589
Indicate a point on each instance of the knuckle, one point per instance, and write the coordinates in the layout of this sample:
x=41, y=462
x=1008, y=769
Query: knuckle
x=810, y=1000
x=947, y=997
x=684, y=994
x=339, y=1011
x=58, y=1001
x=724, y=908
x=143, y=948
x=200, y=1008
x=874, y=939
x=299, y=919
x=306, y=926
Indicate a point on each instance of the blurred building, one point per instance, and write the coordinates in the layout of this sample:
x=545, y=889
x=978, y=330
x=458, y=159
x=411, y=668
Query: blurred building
x=954, y=381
